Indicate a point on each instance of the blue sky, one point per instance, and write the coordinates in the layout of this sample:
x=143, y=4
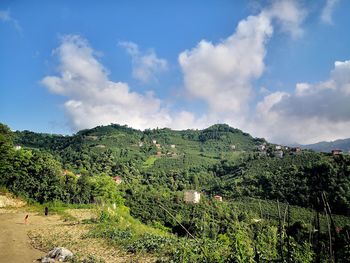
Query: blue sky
x=266, y=67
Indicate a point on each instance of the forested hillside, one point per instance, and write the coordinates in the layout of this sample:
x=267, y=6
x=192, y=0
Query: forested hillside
x=278, y=204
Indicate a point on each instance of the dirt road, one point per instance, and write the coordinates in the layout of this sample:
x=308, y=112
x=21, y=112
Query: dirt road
x=14, y=242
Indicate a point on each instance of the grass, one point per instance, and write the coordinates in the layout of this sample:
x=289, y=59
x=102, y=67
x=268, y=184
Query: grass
x=150, y=161
x=120, y=229
x=59, y=208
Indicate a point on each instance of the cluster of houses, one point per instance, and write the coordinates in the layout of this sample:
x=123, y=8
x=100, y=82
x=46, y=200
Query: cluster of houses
x=159, y=148
x=279, y=151
x=194, y=197
x=276, y=150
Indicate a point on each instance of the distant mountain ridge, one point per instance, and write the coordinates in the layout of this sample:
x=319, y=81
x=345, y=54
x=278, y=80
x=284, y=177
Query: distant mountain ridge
x=341, y=144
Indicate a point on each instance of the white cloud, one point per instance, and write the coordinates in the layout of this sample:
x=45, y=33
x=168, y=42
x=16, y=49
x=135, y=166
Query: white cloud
x=146, y=65
x=221, y=74
x=5, y=16
x=289, y=15
x=327, y=11
x=314, y=112
x=93, y=99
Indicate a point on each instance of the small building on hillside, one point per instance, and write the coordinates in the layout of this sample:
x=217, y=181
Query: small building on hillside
x=278, y=154
x=159, y=153
x=158, y=145
x=218, y=198
x=172, y=146
x=100, y=146
x=154, y=141
x=261, y=147
x=296, y=149
x=337, y=152
x=192, y=196
x=278, y=147
x=18, y=147
x=140, y=144
x=117, y=179
x=233, y=147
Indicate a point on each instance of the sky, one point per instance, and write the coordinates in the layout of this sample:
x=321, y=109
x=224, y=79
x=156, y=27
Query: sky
x=278, y=69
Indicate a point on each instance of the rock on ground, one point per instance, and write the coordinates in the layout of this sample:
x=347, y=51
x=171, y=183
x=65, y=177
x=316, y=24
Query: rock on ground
x=59, y=253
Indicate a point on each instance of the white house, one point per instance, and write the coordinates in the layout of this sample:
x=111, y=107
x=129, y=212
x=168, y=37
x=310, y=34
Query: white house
x=192, y=196
x=279, y=154
x=261, y=147
x=18, y=147
x=173, y=146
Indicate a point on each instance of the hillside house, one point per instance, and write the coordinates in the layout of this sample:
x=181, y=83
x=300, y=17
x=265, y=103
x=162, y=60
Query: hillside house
x=191, y=196
x=278, y=154
x=218, y=198
x=159, y=153
x=173, y=146
x=278, y=147
x=233, y=147
x=117, y=179
x=296, y=149
x=158, y=145
x=337, y=152
x=261, y=147
x=100, y=146
x=140, y=144
x=154, y=141
x=18, y=147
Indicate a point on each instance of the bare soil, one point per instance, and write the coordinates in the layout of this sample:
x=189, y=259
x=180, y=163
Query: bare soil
x=15, y=245
x=22, y=242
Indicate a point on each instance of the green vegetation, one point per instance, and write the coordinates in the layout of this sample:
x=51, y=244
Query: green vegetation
x=294, y=208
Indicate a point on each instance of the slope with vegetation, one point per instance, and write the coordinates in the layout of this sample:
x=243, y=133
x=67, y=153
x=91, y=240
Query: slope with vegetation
x=292, y=209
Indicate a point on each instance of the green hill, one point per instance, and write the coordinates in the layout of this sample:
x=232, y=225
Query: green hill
x=296, y=197
x=123, y=144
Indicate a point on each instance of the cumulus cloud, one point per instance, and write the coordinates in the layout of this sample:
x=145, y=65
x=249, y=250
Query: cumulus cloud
x=327, y=11
x=5, y=16
x=146, y=66
x=222, y=73
x=93, y=99
x=312, y=113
